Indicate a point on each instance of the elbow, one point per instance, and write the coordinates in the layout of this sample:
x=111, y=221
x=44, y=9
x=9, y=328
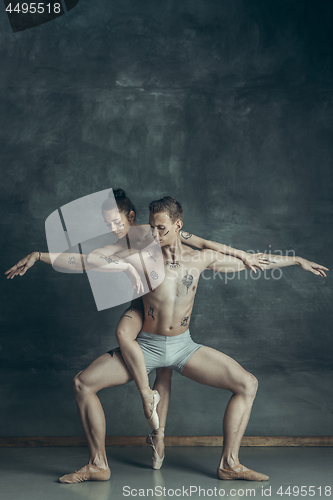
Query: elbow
x=91, y=259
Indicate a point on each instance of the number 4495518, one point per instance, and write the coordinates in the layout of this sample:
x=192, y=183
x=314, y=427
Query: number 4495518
x=33, y=8
x=305, y=491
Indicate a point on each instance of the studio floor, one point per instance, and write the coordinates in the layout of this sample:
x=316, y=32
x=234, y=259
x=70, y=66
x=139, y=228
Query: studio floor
x=32, y=473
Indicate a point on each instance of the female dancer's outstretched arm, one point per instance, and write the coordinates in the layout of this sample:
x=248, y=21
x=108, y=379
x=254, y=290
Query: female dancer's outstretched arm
x=76, y=262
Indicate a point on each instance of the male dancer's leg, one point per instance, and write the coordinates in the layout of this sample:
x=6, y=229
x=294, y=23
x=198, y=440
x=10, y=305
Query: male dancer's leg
x=105, y=371
x=210, y=367
x=163, y=386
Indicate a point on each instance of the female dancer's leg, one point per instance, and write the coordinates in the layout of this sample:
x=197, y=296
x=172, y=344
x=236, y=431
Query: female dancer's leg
x=128, y=329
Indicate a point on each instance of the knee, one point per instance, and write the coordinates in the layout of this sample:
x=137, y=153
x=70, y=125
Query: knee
x=122, y=335
x=250, y=385
x=78, y=385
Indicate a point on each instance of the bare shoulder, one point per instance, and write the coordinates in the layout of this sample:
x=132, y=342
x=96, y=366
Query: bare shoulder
x=189, y=253
x=198, y=255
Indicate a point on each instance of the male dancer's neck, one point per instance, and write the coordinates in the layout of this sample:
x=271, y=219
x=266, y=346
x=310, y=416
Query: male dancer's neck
x=173, y=251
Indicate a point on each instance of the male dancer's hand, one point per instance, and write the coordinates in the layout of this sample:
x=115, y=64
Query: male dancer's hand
x=312, y=267
x=23, y=265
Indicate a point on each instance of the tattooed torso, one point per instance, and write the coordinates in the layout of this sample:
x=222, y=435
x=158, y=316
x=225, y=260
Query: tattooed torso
x=168, y=308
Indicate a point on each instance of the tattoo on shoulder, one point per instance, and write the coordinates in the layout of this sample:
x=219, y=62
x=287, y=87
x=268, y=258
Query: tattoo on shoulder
x=185, y=235
x=151, y=312
x=172, y=263
x=187, y=281
x=184, y=321
x=71, y=260
x=109, y=260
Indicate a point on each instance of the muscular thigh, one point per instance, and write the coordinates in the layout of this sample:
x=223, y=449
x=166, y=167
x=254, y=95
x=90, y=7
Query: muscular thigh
x=210, y=367
x=105, y=371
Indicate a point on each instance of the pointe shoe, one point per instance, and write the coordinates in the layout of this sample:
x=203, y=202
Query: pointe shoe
x=240, y=472
x=87, y=473
x=157, y=461
x=150, y=405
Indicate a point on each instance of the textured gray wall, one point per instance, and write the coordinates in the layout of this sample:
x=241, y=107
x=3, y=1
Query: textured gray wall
x=225, y=105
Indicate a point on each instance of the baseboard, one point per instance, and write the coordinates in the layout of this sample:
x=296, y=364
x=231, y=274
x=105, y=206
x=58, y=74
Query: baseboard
x=31, y=442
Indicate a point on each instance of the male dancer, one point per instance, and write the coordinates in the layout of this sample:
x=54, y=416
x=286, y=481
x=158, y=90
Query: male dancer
x=166, y=342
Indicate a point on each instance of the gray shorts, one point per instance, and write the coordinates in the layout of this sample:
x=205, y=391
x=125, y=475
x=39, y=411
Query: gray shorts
x=162, y=351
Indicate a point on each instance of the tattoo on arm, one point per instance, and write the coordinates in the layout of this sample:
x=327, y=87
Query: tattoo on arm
x=187, y=281
x=185, y=235
x=109, y=260
x=154, y=275
x=184, y=321
x=129, y=310
x=151, y=312
x=71, y=260
x=172, y=264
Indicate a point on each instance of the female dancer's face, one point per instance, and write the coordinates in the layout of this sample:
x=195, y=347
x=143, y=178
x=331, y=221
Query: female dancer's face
x=117, y=222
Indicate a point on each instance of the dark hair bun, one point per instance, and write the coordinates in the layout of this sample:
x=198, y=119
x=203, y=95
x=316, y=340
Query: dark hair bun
x=118, y=193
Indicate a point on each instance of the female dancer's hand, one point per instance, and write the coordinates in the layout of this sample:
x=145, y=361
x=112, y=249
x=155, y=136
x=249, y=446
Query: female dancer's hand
x=134, y=276
x=255, y=260
x=22, y=266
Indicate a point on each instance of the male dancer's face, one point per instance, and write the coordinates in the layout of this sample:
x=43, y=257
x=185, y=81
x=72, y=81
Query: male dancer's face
x=164, y=230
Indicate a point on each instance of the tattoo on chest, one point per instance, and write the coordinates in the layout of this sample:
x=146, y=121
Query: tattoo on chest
x=184, y=321
x=185, y=235
x=154, y=275
x=152, y=257
x=71, y=260
x=109, y=260
x=127, y=316
x=187, y=281
x=151, y=312
x=172, y=264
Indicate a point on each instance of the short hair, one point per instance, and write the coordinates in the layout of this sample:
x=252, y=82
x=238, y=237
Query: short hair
x=123, y=203
x=169, y=205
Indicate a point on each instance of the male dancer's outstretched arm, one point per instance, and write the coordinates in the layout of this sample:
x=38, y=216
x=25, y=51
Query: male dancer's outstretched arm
x=225, y=264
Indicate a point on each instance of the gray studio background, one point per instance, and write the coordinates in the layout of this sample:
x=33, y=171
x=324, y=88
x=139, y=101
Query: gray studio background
x=225, y=105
